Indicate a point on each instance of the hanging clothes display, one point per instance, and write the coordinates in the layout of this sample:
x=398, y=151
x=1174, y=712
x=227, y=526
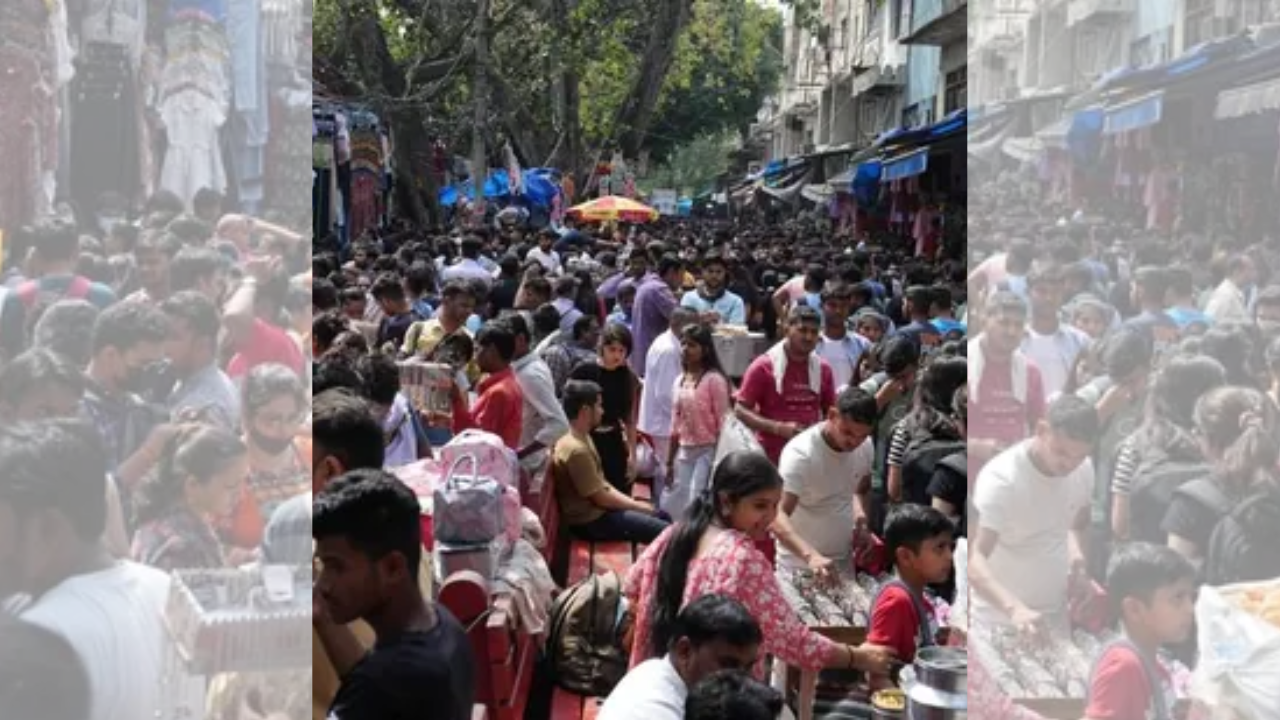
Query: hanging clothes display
x=28, y=111
x=367, y=162
x=250, y=125
x=287, y=176
x=195, y=98
x=104, y=125
x=324, y=172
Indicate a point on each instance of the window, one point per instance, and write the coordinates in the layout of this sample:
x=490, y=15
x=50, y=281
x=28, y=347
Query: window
x=956, y=90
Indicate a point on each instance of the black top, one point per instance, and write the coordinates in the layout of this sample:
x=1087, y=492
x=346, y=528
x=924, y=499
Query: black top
x=416, y=676
x=1190, y=520
x=393, y=328
x=952, y=486
x=617, y=388
x=502, y=296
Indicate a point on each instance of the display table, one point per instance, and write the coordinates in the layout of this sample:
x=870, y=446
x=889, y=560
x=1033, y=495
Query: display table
x=737, y=351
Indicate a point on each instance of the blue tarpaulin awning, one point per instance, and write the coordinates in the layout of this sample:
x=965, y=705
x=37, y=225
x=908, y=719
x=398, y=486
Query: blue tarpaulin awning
x=905, y=166
x=1134, y=114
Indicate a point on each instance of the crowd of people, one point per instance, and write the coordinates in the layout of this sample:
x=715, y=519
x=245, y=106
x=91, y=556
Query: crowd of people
x=592, y=355
x=1123, y=434
x=154, y=395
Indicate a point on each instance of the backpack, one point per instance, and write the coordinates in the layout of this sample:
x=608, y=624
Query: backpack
x=36, y=300
x=584, y=642
x=1159, y=703
x=925, y=636
x=1155, y=481
x=1242, y=544
x=919, y=462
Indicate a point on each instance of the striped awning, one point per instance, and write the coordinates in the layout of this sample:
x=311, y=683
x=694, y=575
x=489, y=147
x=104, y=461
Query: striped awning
x=1134, y=114
x=1249, y=99
x=905, y=166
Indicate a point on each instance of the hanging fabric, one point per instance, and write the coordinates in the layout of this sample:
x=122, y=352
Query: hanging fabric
x=28, y=111
x=195, y=98
x=105, y=141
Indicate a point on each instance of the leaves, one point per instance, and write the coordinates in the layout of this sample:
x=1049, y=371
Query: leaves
x=726, y=61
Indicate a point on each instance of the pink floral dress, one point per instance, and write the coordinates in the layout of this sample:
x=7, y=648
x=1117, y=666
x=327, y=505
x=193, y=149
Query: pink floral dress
x=732, y=566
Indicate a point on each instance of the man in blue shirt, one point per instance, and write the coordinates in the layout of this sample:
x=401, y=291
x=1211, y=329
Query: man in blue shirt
x=712, y=300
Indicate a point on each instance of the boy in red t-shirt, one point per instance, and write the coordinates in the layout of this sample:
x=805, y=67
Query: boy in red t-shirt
x=919, y=540
x=1153, y=590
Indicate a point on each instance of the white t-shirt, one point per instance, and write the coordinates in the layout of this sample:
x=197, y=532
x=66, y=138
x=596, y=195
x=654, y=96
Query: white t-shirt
x=653, y=690
x=843, y=356
x=1055, y=355
x=1033, y=515
x=115, y=621
x=663, y=367
x=550, y=261
x=824, y=480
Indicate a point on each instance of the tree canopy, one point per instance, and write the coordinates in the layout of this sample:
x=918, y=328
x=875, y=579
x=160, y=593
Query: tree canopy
x=568, y=81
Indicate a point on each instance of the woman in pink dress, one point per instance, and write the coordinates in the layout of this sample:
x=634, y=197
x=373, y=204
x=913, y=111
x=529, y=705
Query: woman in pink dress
x=712, y=551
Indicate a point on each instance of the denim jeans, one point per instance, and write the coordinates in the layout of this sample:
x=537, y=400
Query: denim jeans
x=622, y=526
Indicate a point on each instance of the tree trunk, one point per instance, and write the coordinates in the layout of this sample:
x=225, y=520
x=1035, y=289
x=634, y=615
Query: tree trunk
x=480, y=105
x=669, y=19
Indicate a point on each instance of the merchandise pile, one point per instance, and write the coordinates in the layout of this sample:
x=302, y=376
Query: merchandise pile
x=1052, y=666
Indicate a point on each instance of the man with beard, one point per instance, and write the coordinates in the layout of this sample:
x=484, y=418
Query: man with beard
x=128, y=346
x=192, y=350
x=1032, y=505
x=369, y=544
x=52, y=517
x=712, y=300
x=1006, y=391
x=789, y=388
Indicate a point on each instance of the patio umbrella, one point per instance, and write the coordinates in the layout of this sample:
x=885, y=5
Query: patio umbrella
x=613, y=209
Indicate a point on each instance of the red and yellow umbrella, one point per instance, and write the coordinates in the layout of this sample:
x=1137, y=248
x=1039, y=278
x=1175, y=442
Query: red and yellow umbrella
x=613, y=209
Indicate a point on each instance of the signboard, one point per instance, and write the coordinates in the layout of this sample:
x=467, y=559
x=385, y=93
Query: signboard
x=664, y=201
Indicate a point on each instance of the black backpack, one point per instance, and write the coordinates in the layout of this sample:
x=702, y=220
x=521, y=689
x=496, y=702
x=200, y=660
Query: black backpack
x=1242, y=546
x=919, y=462
x=1155, y=481
x=584, y=642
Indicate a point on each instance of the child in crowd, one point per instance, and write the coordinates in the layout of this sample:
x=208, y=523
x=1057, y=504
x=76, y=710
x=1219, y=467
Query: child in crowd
x=919, y=540
x=1152, y=588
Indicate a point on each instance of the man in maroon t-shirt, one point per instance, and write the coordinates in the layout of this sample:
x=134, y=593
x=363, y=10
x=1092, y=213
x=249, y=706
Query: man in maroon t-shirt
x=1006, y=391
x=779, y=412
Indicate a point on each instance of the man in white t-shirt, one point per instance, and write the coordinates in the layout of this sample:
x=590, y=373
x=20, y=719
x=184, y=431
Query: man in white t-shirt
x=1051, y=345
x=840, y=348
x=52, y=515
x=711, y=633
x=823, y=469
x=543, y=254
x=1032, y=508
x=665, y=365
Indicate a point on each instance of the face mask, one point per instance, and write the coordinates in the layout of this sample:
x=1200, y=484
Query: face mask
x=269, y=445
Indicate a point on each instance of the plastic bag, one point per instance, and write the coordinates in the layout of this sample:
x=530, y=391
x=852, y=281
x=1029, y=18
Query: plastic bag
x=1239, y=656
x=734, y=436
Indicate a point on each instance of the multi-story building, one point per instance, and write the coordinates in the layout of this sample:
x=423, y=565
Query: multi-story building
x=997, y=38
x=938, y=75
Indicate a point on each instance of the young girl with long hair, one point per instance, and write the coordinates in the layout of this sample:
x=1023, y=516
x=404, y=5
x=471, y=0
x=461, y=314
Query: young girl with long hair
x=713, y=551
x=703, y=397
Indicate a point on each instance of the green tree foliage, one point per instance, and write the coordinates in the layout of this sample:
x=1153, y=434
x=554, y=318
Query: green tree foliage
x=569, y=80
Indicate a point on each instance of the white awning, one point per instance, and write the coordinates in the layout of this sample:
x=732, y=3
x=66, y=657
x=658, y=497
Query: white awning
x=1249, y=99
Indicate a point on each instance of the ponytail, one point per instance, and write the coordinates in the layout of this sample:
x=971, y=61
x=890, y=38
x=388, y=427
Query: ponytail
x=739, y=475
x=1241, y=425
x=673, y=571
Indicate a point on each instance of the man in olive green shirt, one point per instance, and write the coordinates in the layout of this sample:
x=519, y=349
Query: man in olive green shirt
x=592, y=508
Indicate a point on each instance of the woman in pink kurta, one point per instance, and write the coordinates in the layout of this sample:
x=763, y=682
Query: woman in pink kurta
x=713, y=552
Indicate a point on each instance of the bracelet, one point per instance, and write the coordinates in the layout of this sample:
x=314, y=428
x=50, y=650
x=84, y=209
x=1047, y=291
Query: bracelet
x=853, y=658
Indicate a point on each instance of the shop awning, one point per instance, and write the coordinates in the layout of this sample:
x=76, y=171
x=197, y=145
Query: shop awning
x=1134, y=114
x=905, y=166
x=1249, y=99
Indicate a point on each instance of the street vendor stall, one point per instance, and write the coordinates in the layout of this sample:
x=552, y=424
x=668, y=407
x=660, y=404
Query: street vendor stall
x=737, y=347
x=613, y=209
